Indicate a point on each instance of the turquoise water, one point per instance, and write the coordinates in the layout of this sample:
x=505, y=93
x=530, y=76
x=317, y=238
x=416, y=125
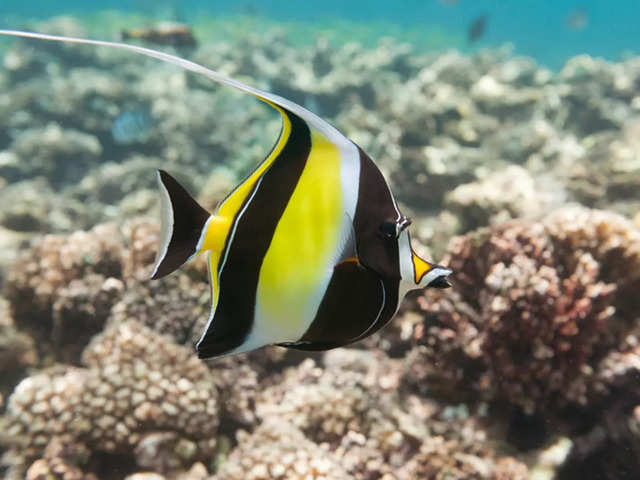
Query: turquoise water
x=537, y=28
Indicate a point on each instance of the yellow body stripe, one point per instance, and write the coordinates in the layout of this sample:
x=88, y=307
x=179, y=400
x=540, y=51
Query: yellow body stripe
x=222, y=221
x=304, y=242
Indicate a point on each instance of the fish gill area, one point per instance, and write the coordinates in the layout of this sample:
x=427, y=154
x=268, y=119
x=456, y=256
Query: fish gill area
x=526, y=181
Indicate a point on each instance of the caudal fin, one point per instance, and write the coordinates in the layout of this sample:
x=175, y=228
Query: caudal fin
x=183, y=223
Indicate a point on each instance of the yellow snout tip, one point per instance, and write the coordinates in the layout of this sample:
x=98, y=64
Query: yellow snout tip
x=433, y=275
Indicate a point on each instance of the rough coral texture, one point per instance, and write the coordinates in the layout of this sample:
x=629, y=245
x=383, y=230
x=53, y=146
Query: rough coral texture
x=543, y=318
x=139, y=392
x=461, y=454
x=61, y=461
x=48, y=300
x=17, y=354
x=538, y=336
x=348, y=403
x=278, y=450
x=537, y=307
x=502, y=195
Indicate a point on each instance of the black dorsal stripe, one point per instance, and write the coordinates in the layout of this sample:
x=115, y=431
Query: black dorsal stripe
x=375, y=206
x=254, y=230
x=189, y=219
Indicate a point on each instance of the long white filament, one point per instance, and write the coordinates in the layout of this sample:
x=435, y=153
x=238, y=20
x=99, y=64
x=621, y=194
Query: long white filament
x=309, y=116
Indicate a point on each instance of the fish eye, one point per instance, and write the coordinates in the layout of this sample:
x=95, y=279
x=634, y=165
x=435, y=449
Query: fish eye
x=388, y=230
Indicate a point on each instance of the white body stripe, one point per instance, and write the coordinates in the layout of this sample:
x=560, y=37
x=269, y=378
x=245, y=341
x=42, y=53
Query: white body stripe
x=405, y=255
x=350, y=177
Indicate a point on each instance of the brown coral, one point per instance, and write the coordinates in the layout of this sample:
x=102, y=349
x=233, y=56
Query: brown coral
x=140, y=393
x=278, y=450
x=17, y=353
x=61, y=461
x=537, y=306
x=326, y=403
x=348, y=403
x=44, y=294
x=459, y=446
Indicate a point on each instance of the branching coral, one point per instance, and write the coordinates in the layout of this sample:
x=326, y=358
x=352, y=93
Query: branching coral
x=327, y=403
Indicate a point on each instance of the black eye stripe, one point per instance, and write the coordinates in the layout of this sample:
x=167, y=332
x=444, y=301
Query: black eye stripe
x=391, y=229
x=388, y=229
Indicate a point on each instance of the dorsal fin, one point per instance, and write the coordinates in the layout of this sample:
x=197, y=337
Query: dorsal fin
x=311, y=118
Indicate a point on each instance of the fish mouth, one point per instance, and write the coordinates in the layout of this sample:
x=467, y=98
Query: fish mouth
x=440, y=280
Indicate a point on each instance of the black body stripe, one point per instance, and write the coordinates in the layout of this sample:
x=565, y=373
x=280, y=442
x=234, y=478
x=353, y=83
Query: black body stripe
x=356, y=304
x=391, y=289
x=375, y=206
x=234, y=316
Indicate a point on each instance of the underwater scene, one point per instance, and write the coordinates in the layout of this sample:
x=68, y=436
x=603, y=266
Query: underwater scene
x=336, y=240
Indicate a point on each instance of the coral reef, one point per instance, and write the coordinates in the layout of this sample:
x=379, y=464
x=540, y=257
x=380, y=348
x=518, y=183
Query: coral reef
x=538, y=306
x=49, y=301
x=139, y=393
x=278, y=450
x=502, y=195
x=17, y=352
x=458, y=450
x=538, y=338
x=543, y=318
x=61, y=461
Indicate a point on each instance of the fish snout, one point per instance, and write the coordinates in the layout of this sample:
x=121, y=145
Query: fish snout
x=440, y=277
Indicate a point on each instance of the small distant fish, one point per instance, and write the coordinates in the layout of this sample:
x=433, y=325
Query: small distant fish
x=163, y=33
x=310, y=251
x=477, y=28
x=578, y=19
x=248, y=8
x=131, y=127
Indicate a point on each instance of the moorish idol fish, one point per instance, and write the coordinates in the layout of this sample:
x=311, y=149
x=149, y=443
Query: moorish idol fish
x=310, y=251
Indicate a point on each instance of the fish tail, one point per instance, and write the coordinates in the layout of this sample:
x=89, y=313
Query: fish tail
x=184, y=223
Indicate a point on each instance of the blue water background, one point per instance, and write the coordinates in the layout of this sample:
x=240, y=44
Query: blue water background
x=536, y=28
